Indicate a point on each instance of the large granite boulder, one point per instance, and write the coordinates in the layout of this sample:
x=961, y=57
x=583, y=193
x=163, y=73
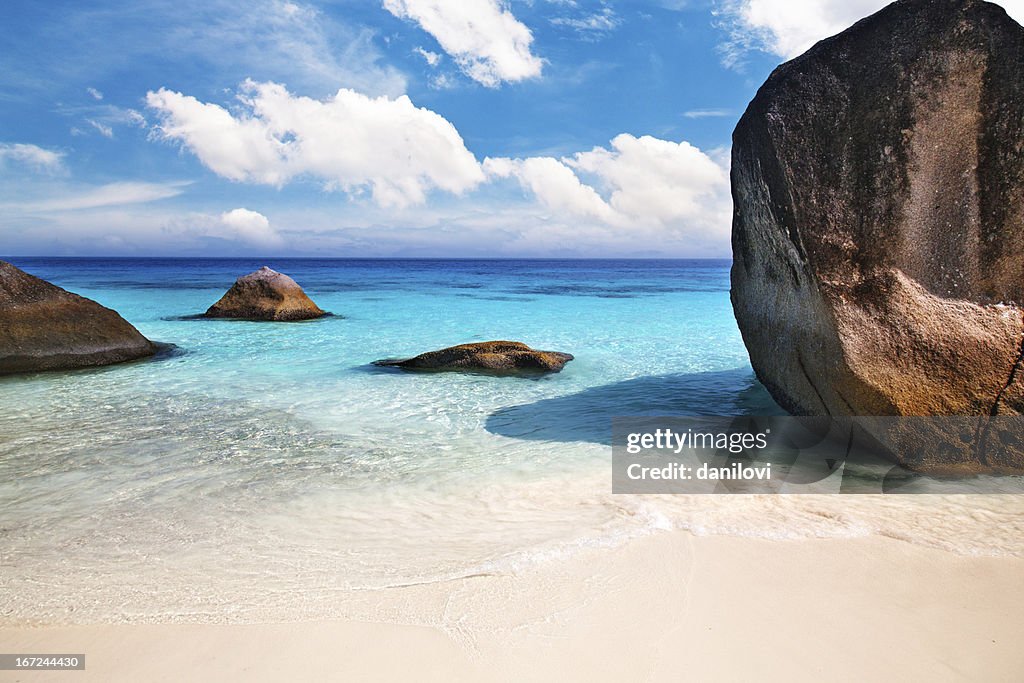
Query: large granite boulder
x=878, y=230
x=265, y=295
x=43, y=327
x=493, y=357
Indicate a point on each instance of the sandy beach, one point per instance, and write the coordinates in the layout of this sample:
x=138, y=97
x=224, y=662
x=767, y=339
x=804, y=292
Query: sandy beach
x=666, y=607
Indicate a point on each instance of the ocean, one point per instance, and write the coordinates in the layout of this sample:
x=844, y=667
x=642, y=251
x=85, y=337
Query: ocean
x=265, y=470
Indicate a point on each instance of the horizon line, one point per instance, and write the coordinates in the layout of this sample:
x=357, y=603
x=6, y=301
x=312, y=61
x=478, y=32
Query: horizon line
x=389, y=258
x=392, y=258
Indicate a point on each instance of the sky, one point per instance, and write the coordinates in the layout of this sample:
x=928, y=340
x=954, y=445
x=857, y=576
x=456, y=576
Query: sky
x=391, y=128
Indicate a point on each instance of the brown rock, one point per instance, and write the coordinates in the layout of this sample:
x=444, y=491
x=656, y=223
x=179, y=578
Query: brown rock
x=878, y=231
x=496, y=357
x=43, y=327
x=265, y=295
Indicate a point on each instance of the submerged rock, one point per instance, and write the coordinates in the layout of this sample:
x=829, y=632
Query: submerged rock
x=496, y=357
x=878, y=232
x=43, y=327
x=265, y=295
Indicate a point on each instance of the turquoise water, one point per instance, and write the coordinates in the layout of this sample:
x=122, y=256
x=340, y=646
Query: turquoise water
x=274, y=455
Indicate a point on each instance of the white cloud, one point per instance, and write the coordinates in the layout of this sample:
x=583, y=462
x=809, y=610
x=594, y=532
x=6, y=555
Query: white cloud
x=707, y=113
x=103, y=118
x=555, y=185
x=656, y=180
x=638, y=184
x=442, y=82
x=1015, y=8
x=250, y=226
x=104, y=130
x=96, y=94
x=432, y=58
x=32, y=156
x=134, y=117
x=596, y=23
x=483, y=37
x=112, y=194
x=787, y=28
x=146, y=229
x=110, y=115
x=350, y=141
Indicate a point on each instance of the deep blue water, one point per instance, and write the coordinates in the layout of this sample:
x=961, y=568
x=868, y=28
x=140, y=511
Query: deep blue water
x=614, y=278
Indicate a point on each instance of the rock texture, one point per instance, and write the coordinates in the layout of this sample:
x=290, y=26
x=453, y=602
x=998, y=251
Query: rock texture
x=265, y=295
x=878, y=231
x=43, y=327
x=495, y=357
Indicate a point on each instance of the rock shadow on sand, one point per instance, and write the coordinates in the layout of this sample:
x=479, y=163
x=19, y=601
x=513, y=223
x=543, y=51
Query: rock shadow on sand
x=587, y=415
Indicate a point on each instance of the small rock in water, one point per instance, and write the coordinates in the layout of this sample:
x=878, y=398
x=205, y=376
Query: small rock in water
x=493, y=357
x=265, y=295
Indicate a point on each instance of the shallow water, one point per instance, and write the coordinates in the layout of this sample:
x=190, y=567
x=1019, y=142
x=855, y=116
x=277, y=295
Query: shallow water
x=264, y=469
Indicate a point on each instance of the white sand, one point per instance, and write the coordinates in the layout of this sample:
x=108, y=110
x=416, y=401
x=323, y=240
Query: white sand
x=666, y=607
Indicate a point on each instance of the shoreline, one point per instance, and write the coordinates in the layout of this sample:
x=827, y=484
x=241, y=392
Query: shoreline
x=666, y=606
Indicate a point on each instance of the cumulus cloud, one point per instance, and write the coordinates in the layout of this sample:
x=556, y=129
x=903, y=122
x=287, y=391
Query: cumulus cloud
x=350, y=142
x=31, y=156
x=647, y=178
x=250, y=226
x=555, y=185
x=641, y=188
x=787, y=28
x=638, y=183
x=487, y=42
x=96, y=94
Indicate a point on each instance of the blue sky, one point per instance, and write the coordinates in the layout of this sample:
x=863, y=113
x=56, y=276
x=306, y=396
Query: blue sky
x=383, y=127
